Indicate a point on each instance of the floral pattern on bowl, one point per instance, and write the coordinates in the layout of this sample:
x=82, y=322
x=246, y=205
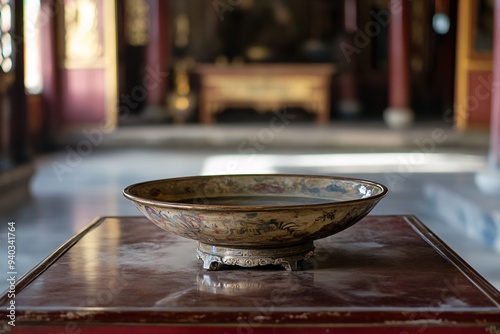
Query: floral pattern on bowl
x=254, y=211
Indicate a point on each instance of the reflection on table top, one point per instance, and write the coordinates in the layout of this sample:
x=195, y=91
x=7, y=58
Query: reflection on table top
x=382, y=269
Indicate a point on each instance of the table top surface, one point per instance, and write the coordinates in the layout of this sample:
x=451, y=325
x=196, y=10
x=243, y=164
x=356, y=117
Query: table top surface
x=384, y=268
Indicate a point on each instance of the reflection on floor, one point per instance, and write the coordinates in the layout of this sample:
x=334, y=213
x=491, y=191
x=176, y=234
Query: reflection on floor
x=67, y=192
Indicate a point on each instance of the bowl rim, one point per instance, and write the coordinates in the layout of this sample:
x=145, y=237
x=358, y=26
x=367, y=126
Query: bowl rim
x=235, y=208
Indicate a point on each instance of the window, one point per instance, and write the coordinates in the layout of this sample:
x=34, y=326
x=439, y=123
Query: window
x=32, y=50
x=5, y=36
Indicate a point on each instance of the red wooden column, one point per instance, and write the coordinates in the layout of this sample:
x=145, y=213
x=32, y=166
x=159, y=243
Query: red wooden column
x=399, y=113
x=157, y=59
x=349, y=105
x=489, y=181
x=51, y=120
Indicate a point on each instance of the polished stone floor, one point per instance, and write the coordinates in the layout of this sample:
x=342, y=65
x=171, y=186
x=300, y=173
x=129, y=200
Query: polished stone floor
x=69, y=190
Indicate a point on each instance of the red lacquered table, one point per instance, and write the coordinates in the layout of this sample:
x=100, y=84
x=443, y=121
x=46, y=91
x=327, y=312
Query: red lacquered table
x=386, y=274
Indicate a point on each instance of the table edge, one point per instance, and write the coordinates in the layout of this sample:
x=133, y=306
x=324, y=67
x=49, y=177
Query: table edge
x=419, y=227
x=36, y=271
x=451, y=256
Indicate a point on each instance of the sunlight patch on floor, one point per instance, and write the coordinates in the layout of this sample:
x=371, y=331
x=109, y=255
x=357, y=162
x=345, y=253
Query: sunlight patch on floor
x=415, y=162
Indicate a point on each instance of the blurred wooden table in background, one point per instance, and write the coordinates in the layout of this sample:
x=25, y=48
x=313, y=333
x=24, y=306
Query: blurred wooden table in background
x=265, y=87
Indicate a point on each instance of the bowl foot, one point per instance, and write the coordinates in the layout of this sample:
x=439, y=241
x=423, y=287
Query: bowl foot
x=289, y=258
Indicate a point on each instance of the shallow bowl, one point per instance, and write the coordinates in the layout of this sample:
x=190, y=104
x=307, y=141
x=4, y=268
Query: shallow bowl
x=251, y=220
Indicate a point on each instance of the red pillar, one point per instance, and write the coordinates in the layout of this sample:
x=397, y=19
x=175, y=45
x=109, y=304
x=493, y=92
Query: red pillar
x=50, y=73
x=489, y=180
x=349, y=105
x=399, y=113
x=157, y=57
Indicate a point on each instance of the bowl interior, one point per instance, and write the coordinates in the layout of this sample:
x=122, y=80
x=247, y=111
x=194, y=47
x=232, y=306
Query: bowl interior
x=255, y=190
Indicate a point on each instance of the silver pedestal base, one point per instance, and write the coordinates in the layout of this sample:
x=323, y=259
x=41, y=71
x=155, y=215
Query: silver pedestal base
x=288, y=257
